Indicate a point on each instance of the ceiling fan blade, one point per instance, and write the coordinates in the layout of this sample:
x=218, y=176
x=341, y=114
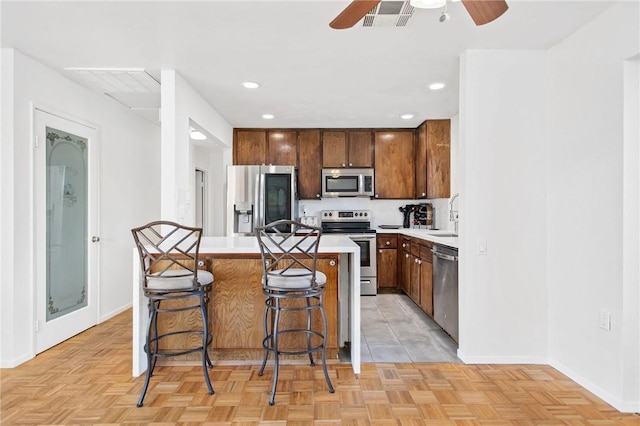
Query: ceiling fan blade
x=353, y=13
x=485, y=11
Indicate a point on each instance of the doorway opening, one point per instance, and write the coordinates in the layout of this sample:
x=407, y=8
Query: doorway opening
x=201, y=199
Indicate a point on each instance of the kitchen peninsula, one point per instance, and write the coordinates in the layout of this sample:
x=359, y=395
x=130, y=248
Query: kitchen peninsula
x=235, y=262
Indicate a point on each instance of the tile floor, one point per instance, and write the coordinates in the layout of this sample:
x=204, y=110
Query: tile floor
x=395, y=330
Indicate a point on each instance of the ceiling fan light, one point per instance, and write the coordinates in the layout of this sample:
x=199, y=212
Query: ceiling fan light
x=268, y=116
x=407, y=116
x=427, y=4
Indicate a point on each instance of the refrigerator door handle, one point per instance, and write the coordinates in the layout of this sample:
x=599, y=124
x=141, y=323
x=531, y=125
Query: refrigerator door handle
x=258, y=216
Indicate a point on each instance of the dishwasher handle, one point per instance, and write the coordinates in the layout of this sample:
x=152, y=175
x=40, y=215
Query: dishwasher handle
x=444, y=256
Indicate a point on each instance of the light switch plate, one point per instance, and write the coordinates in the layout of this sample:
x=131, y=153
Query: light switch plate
x=482, y=247
x=605, y=320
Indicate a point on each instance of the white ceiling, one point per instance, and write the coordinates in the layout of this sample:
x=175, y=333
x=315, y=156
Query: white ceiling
x=311, y=75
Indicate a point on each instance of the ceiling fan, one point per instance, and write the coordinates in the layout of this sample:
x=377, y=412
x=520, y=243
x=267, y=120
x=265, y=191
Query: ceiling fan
x=481, y=11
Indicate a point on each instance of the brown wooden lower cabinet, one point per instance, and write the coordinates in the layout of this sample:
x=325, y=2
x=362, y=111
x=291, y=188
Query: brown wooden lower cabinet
x=236, y=310
x=405, y=266
x=416, y=272
x=387, y=260
x=426, y=279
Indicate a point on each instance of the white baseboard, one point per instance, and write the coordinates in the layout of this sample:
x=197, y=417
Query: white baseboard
x=620, y=405
x=11, y=363
x=113, y=313
x=501, y=359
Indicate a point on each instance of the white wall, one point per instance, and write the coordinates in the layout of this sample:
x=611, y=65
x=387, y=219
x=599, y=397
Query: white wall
x=503, y=151
x=129, y=194
x=586, y=208
x=180, y=105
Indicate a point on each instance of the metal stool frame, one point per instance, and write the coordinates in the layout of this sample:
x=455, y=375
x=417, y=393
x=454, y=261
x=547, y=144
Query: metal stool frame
x=169, y=271
x=289, y=262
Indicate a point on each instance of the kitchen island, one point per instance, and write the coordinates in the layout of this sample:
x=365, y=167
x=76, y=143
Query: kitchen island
x=238, y=260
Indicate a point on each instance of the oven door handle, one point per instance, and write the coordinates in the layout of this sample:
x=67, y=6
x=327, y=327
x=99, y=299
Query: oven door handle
x=362, y=237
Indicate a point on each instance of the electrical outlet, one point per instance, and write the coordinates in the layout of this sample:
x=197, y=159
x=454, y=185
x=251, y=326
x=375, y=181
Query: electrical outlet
x=605, y=320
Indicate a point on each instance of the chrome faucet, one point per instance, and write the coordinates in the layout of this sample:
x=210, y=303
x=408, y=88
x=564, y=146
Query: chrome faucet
x=453, y=214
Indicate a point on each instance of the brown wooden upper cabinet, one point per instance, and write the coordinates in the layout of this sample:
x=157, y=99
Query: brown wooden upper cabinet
x=433, y=151
x=309, y=179
x=395, y=165
x=282, y=147
x=249, y=147
x=347, y=148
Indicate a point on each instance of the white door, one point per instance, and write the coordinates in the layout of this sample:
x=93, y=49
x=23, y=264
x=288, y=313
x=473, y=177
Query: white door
x=66, y=249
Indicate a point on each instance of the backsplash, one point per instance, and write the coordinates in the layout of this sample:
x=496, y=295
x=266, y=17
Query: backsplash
x=383, y=212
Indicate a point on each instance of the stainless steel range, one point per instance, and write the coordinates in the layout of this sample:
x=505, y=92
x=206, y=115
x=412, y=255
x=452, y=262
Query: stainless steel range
x=356, y=224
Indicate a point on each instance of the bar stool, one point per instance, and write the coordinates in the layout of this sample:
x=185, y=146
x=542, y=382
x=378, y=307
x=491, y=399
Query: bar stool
x=170, y=276
x=289, y=252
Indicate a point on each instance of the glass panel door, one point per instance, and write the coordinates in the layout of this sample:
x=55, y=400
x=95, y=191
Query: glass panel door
x=66, y=223
x=66, y=201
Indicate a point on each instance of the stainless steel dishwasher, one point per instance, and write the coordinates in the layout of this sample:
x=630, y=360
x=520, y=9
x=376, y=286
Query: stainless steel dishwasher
x=445, y=288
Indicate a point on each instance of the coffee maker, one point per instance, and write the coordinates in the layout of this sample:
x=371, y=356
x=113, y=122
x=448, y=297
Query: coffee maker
x=406, y=210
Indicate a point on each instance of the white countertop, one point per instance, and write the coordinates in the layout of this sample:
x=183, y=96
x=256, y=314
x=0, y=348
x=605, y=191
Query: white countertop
x=424, y=234
x=249, y=244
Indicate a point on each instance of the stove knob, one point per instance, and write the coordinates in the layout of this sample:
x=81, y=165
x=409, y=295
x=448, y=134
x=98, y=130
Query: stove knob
x=330, y=214
x=366, y=214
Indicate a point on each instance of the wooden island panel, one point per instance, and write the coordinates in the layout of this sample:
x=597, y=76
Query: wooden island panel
x=236, y=312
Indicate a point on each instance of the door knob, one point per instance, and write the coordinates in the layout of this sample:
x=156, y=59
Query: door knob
x=95, y=239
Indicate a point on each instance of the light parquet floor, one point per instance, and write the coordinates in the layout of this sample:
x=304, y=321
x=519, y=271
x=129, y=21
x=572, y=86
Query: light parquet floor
x=87, y=380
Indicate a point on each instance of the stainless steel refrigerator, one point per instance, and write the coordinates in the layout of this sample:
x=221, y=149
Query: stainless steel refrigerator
x=258, y=195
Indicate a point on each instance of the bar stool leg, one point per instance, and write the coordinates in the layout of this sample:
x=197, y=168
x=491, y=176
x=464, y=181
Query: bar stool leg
x=150, y=352
x=308, y=331
x=267, y=342
x=206, y=362
x=276, y=353
x=324, y=345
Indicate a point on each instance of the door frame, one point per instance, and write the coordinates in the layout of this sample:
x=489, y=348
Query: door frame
x=39, y=220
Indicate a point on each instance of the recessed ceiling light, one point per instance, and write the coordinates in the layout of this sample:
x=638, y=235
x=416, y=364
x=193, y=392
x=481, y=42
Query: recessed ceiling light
x=197, y=136
x=406, y=116
x=268, y=116
x=436, y=86
x=251, y=84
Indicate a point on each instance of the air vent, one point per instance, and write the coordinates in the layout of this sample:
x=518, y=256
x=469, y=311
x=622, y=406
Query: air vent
x=134, y=88
x=389, y=14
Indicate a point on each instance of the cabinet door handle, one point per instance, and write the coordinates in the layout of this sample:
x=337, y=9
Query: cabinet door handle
x=95, y=239
x=332, y=262
x=388, y=243
x=406, y=255
x=317, y=195
x=380, y=251
x=350, y=164
x=344, y=164
x=200, y=262
x=403, y=245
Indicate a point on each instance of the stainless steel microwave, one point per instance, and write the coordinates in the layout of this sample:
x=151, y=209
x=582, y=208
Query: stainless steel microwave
x=347, y=183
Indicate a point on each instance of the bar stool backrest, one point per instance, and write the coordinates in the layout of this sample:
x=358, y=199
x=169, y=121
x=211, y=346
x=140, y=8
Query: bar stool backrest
x=168, y=251
x=289, y=259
